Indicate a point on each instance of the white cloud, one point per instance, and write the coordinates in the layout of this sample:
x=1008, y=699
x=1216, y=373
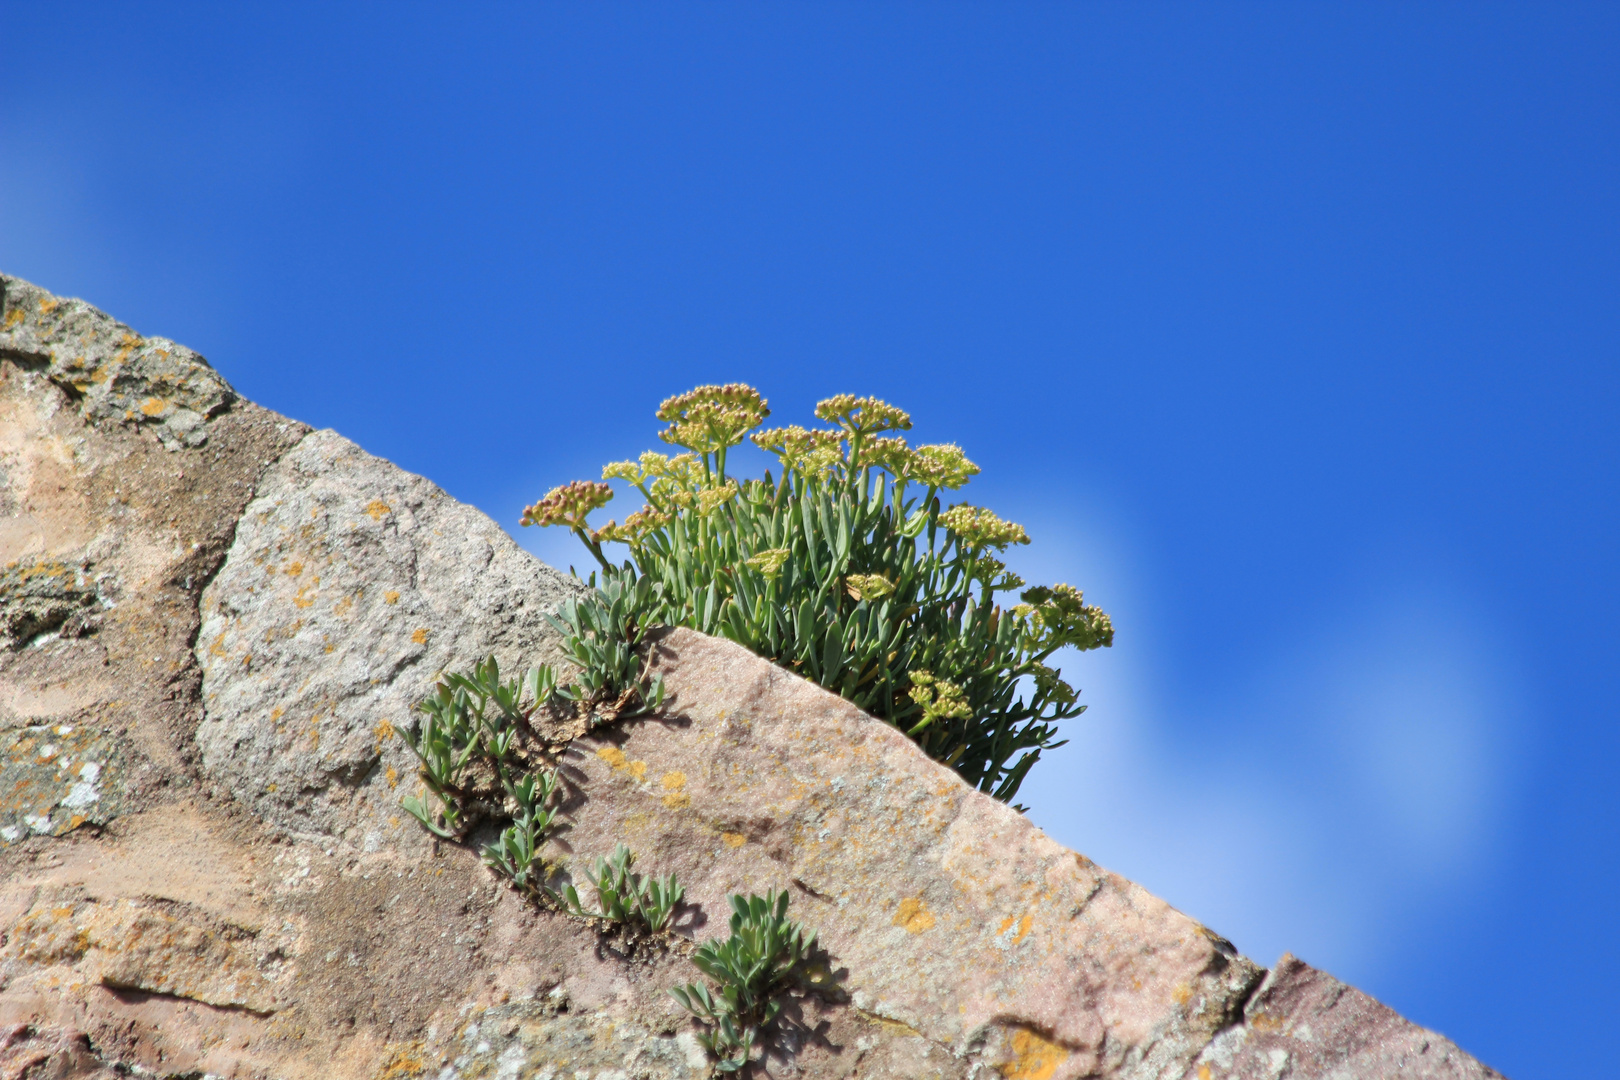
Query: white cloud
x=1321, y=802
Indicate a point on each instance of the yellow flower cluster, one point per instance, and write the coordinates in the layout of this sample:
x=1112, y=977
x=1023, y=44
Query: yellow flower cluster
x=634, y=529
x=868, y=586
x=863, y=415
x=939, y=698
x=1061, y=611
x=568, y=505
x=940, y=465
x=711, y=418
x=815, y=452
x=979, y=527
x=769, y=562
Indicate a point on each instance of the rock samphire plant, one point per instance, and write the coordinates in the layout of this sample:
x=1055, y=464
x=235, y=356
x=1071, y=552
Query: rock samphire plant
x=750, y=969
x=846, y=567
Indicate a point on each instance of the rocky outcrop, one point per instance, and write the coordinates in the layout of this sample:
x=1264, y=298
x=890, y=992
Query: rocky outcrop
x=211, y=618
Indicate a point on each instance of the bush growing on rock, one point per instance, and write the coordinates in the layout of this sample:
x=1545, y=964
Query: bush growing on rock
x=848, y=569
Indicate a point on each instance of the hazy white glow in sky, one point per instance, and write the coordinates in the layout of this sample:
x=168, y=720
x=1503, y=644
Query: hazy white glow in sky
x=1314, y=798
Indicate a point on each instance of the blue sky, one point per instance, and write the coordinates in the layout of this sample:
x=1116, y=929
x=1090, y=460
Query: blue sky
x=1289, y=331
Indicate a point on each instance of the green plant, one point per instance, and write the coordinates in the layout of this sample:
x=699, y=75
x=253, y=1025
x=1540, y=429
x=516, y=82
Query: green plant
x=465, y=742
x=601, y=631
x=847, y=569
x=623, y=896
x=516, y=852
x=750, y=968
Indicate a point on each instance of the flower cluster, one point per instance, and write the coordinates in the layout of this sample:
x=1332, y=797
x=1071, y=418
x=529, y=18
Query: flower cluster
x=981, y=528
x=634, y=529
x=568, y=505
x=939, y=698
x=1061, y=614
x=711, y=418
x=815, y=453
x=769, y=562
x=868, y=586
x=941, y=465
x=862, y=415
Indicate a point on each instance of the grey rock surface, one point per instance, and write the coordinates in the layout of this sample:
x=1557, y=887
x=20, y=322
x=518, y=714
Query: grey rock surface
x=213, y=620
x=350, y=586
x=114, y=373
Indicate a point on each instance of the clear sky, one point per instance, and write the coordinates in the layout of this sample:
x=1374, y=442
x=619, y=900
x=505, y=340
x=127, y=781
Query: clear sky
x=1289, y=331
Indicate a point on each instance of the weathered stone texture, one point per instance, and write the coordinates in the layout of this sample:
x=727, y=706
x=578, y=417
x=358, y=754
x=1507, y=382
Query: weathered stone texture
x=1306, y=1023
x=113, y=372
x=211, y=619
x=350, y=586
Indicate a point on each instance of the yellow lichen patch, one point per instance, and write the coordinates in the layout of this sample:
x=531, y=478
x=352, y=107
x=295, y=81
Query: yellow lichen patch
x=637, y=769
x=376, y=508
x=914, y=915
x=13, y=317
x=673, y=781
x=1182, y=993
x=613, y=756
x=1034, y=1058
x=1264, y=1022
x=1023, y=928
x=393, y=777
x=404, y=1063
x=390, y=597
x=153, y=406
x=677, y=800
x=47, y=304
x=733, y=839
x=1203, y=1072
x=343, y=606
x=420, y=636
x=294, y=569
x=303, y=601
x=384, y=731
x=218, y=646
x=275, y=713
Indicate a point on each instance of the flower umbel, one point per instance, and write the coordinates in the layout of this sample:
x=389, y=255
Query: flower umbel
x=568, y=505
x=981, y=528
x=711, y=418
x=863, y=415
x=769, y=562
x=939, y=698
x=868, y=586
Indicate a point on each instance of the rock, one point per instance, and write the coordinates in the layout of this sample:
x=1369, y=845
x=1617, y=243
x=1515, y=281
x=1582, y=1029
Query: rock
x=114, y=373
x=350, y=586
x=1304, y=1022
x=213, y=620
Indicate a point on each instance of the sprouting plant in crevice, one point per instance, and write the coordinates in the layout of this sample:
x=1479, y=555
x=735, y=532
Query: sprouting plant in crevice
x=846, y=568
x=749, y=969
x=601, y=631
x=516, y=853
x=623, y=896
x=467, y=742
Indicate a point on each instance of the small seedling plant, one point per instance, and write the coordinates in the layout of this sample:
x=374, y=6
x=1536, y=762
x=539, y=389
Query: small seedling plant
x=475, y=745
x=845, y=566
x=623, y=896
x=750, y=969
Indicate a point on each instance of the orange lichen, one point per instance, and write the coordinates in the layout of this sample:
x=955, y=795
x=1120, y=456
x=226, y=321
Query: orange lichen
x=733, y=839
x=1034, y=1057
x=390, y=597
x=914, y=915
x=420, y=636
x=376, y=508
x=153, y=406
